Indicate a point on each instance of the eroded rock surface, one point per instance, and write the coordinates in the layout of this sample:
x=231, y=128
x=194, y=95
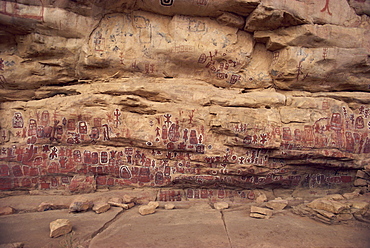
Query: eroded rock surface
x=217, y=97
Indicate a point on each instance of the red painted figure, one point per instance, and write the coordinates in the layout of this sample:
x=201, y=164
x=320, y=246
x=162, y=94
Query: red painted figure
x=82, y=127
x=18, y=120
x=71, y=125
x=164, y=132
x=104, y=157
x=40, y=132
x=95, y=158
x=117, y=114
x=32, y=128
x=159, y=180
x=125, y=172
x=287, y=135
x=45, y=117
x=336, y=121
x=359, y=124
x=94, y=135
x=326, y=7
x=297, y=135
x=350, y=142
x=193, y=137
x=77, y=156
x=174, y=133
x=87, y=157
x=367, y=145
x=144, y=174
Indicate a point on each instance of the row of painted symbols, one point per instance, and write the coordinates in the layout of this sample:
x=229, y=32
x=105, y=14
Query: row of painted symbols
x=74, y=131
x=222, y=72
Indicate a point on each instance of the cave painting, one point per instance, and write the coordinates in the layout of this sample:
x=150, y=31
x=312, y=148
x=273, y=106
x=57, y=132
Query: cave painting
x=326, y=7
x=182, y=139
x=167, y=3
x=15, y=9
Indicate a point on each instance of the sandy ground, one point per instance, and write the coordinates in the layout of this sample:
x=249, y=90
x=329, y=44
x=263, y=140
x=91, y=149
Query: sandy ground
x=192, y=225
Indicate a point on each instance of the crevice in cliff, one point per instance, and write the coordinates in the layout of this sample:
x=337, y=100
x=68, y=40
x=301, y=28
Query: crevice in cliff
x=151, y=96
x=346, y=96
x=43, y=94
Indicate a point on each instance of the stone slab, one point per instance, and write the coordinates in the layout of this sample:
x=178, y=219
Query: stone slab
x=193, y=227
x=32, y=229
x=289, y=230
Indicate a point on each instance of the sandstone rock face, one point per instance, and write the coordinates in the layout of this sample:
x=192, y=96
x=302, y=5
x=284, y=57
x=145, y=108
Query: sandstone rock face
x=214, y=97
x=60, y=227
x=82, y=184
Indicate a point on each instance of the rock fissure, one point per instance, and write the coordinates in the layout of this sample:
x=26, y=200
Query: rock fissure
x=226, y=231
x=106, y=225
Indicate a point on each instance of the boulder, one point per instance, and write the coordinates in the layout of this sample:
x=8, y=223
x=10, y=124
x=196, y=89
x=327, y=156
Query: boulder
x=277, y=204
x=169, y=206
x=116, y=200
x=261, y=197
x=343, y=217
x=231, y=20
x=335, y=197
x=153, y=204
x=12, y=245
x=82, y=184
x=359, y=207
x=128, y=199
x=350, y=196
x=221, y=205
x=146, y=209
x=360, y=182
x=258, y=216
x=360, y=6
x=7, y=210
x=80, y=204
x=258, y=212
x=101, y=207
x=362, y=174
x=45, y=206
x=122, y=205
x=60, y=227
x=325, y=214
x=328, y=205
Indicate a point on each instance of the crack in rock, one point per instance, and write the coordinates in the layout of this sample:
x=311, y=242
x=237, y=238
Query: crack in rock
x=106, y=225
x=227, y=232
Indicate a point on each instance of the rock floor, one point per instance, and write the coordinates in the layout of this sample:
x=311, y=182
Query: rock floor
x=196, y=226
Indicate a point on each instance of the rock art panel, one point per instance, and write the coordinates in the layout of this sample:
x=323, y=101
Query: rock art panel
x=217, y=98
x=163, y=46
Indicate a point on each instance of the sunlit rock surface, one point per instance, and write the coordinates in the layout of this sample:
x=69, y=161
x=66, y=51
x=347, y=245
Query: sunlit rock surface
x=214, y=97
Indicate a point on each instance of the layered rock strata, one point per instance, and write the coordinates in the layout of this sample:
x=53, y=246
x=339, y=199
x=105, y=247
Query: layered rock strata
x=207, y=96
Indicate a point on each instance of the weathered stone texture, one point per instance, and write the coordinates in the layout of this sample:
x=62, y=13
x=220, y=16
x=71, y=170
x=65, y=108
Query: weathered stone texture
x=60, y=227
x=215, y=97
